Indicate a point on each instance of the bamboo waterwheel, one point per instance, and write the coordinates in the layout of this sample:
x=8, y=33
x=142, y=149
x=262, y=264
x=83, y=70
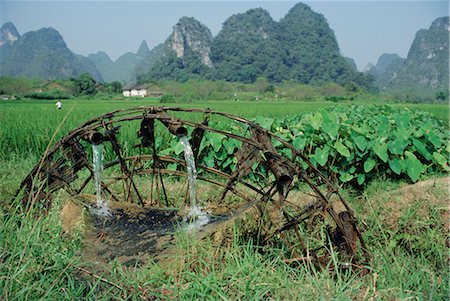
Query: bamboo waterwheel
x=239, y=164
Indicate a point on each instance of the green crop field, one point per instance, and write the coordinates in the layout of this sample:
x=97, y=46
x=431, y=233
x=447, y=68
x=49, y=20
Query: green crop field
x=391, y=163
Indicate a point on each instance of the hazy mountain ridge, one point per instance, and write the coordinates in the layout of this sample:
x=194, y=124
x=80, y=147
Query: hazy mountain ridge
x=428, y=59
x=426, y=68
x=124, y=68
x=300, y=47
x=43, y=54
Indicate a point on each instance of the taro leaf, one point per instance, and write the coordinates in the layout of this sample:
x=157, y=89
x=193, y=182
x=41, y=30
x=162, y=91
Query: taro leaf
x=342, y=149
x=264, y=122
x=209, y=161
x=221, y=155
x=395, y=165
x=276, y=142
x=286, y=152
x=403, y=133
x=321, y=155
x=178, y=149
x=227, y=162
x=433, y=138
x=422, y=149
x=369, y=165
x=414, y=167
x=380, y=149
x=172, y=166
x=419, y=133
x=229, y=145
x=397, y=146
x=316, y=120
x=299, y=143
x=361, y=178
x=402, y=120
x=360, y=142
x=345, y=177
x=383, y=128
x=304, y=165
x=166, y=152
x=330, y=125
x=440, y=159
x=216, y=140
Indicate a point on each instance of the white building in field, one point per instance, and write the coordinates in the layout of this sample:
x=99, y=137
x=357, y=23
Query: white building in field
x=142, y=90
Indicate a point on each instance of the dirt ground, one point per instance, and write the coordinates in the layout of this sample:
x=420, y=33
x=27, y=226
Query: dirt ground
x=133, y=234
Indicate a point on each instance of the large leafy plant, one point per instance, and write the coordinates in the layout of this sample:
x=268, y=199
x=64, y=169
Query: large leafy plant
x=348, y=144
x=359, y=143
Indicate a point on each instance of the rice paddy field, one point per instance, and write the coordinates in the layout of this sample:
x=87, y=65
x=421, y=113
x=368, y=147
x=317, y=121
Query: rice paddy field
x=405, y=228
x=27, y=126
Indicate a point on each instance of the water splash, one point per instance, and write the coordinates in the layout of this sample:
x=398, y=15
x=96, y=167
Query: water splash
x=197, y=217
x=101, y=207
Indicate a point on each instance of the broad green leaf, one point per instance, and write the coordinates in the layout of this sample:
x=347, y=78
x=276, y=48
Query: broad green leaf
x=216, y=140
x=397, y=146
x=419, y=133
x=414, y=167
x=402, y=120
x=361, y=178
x=172, y=166
x=403, y=133
x=227, y=162
x=383, y=128
x=264, y=122
x=380, y=149
x=360, y=142
x=276, y=142
x=316, y=120
x=342, y=149
x=422, y=149
x=221, y=155
x=178, y=149
x=321, y=155
x=330, y=125
x=209, y=161
x=395, y=165
x=299, y=143
x=433, y=138
x=440, y=159
x=369, y=165
x=345, y=177
x=229, y=145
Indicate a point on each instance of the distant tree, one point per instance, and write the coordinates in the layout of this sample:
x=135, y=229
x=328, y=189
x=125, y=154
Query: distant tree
x=442, y=95
x=85, y=84
x=115, y=87
x=261, y=84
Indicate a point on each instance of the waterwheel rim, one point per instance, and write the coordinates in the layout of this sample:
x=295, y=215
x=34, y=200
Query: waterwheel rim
x=67, y=165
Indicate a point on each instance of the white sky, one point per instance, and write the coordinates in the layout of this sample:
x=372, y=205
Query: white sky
x=364, y=29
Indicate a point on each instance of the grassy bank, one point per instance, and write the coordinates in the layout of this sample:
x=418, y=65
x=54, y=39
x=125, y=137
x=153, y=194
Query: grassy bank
x=405, y=231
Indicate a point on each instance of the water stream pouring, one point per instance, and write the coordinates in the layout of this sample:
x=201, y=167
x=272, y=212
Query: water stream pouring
x=200, y=218
x=101, y=207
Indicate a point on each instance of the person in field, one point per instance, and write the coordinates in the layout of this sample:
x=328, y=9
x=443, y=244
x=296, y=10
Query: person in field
x=58, y=105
